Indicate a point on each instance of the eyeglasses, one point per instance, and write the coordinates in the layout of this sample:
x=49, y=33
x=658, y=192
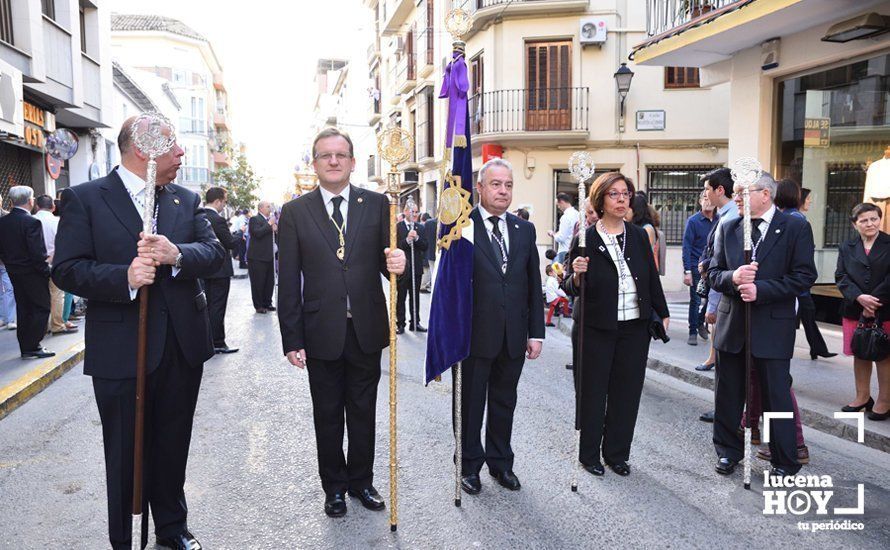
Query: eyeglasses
x=614, y=195
x=738, y=194
x=328, y=157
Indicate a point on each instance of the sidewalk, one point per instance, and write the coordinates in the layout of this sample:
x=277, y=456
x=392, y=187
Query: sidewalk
x=22, y=379
x=822, y=387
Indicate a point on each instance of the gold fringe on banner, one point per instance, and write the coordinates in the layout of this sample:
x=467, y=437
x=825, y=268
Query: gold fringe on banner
x=460, y=141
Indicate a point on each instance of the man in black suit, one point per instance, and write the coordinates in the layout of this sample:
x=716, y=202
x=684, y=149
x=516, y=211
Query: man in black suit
x=409, y=232
x=430, y=228
x=333, y=314
x=217, y=285
x=782, y=269
x=508, y=325
x=261, y=257
x=102, y=255
x=23, y=251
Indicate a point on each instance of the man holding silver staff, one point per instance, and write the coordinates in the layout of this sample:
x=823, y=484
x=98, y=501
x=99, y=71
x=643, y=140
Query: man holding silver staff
x=334, y=246
x=413, y=242
x=782, y=268
x=102, y=255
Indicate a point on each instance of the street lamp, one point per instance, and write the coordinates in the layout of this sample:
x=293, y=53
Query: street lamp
x=623, y=76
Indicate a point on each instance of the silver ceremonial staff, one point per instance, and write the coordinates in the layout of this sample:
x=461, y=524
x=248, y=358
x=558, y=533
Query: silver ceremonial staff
x=154, y=136
x=581, y=166
x=745, y=172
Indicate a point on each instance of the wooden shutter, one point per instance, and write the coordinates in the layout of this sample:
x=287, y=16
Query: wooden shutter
x=681, y=77
x=548, y=85
x=421, y=120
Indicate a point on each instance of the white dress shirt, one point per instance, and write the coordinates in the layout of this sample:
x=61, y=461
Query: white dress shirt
x=628, y=306
x=327, y=197
x=502, y=225
x=50, y=225
x=567, y=223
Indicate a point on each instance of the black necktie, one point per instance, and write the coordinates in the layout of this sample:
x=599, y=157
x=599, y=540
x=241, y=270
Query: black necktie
x=497, y=242
x=337, y=216
x=755, y=230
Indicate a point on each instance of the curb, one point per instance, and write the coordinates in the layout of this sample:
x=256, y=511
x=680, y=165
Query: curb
x=19, y=391
x=811, y=418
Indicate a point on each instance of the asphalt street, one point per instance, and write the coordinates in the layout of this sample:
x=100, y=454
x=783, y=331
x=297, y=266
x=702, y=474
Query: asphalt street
x=253, y=482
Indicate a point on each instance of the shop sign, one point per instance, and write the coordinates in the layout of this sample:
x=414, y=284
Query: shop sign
x=11, y=120
x=35, y=121
x=816, y=132
x=650, y=121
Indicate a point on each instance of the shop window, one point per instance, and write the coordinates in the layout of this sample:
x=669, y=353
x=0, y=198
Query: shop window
x=681, y=77
x=844, y=184
x=674, y=192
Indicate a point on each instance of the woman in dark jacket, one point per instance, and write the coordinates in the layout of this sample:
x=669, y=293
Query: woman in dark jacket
x=863, y=267
x=622, y=290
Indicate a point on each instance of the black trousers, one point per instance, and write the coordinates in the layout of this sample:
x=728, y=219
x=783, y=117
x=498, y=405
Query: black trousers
x=806, y=312
x=614, y=369
x=775, y=385
x=217, y=291
x=347, y=386
x=494, y=380
x=262, y=282
x=171, y=396
x=31, y=291
x=404, y=290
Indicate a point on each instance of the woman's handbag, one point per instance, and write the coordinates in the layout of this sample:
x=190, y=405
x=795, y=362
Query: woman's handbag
x=702, y=288
x=870, y=342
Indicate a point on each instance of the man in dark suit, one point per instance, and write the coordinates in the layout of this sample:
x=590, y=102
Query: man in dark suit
x=409, y=232
x=102, y=255
x=782, y=269
x=23, y=251
x=508, y=325
x=430, y=228
x=261, y=257
x=217, y=285
x=333, y=314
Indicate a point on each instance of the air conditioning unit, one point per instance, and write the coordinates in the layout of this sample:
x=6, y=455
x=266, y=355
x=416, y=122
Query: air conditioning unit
x=592, y=30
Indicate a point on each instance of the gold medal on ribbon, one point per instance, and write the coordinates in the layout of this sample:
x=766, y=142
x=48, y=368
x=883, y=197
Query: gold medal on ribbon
x=341, y=253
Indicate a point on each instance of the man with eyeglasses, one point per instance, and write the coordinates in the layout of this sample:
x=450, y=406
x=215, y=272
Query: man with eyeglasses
x=782, y=268
x=332, y=313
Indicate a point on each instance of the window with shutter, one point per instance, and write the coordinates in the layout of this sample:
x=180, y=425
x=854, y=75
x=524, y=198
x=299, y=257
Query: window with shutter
x=681, y=77
x=422, y=140
x=477, y=98
x=548, y=89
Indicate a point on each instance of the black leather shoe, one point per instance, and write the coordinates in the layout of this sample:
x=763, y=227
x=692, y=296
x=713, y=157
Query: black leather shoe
x=856, y=408
x=704, y=367
x=725, y=466
x=707, y=417
x=400, y=330
x=826, y=355
x=71, y=330
x=621, y=468
x=507, y=479
x=39, y=353
x=180, y=541
x=270, y=308
x=874, y=415
x=335, y=505
x=369, y=498
x=225, y=349
x=262, y=310
x=779, y=471
x=418, y=328
x=595, y=469
x=471, y=484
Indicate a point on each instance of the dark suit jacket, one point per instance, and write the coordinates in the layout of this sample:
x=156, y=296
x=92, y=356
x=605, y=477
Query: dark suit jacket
x=601, y=280
x=313, y=282
x=22, y=249
x=786, y=269
x=431, y=226
x=261, y=238
x=420, y=246
x=95, y=244
x=858, y=273
x=225, y=238
x=507, y=307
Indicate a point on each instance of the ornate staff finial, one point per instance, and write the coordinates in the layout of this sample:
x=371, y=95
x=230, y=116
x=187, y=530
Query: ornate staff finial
x=581, y=166
x=458, y=23
x=394, y=146
x=746, y=171
x=154, y=136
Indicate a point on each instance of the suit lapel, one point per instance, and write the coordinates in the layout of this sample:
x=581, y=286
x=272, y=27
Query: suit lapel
x=169, y=207
x=773, y=234
x=320, y=216
x=354, y=217
x=598, y=244
x=482, y=240
x=121, y=205
x=513, y=246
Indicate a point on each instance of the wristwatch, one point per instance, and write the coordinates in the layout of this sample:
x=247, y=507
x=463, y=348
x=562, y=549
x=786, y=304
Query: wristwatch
x=687, y=272
x=178, y=263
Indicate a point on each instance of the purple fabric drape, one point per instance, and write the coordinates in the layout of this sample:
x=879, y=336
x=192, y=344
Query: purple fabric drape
x=455, y=86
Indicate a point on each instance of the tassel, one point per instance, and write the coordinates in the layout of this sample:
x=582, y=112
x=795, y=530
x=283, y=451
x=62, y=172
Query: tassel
x=460, y=141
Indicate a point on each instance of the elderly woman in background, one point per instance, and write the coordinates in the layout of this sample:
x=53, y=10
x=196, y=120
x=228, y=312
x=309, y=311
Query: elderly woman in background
x=622, y=290
x=863, y=266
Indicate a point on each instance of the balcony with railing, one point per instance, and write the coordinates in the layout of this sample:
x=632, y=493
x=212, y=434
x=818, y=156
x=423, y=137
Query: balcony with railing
x=194, y=174
x=221, y=159
x=394, y=14
x=92, y=84
x=536, y=114
x=374, y=52
x=424, y=48
x=485, y=12
x=220, y=119
x=666, y=15
x=406, y=72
